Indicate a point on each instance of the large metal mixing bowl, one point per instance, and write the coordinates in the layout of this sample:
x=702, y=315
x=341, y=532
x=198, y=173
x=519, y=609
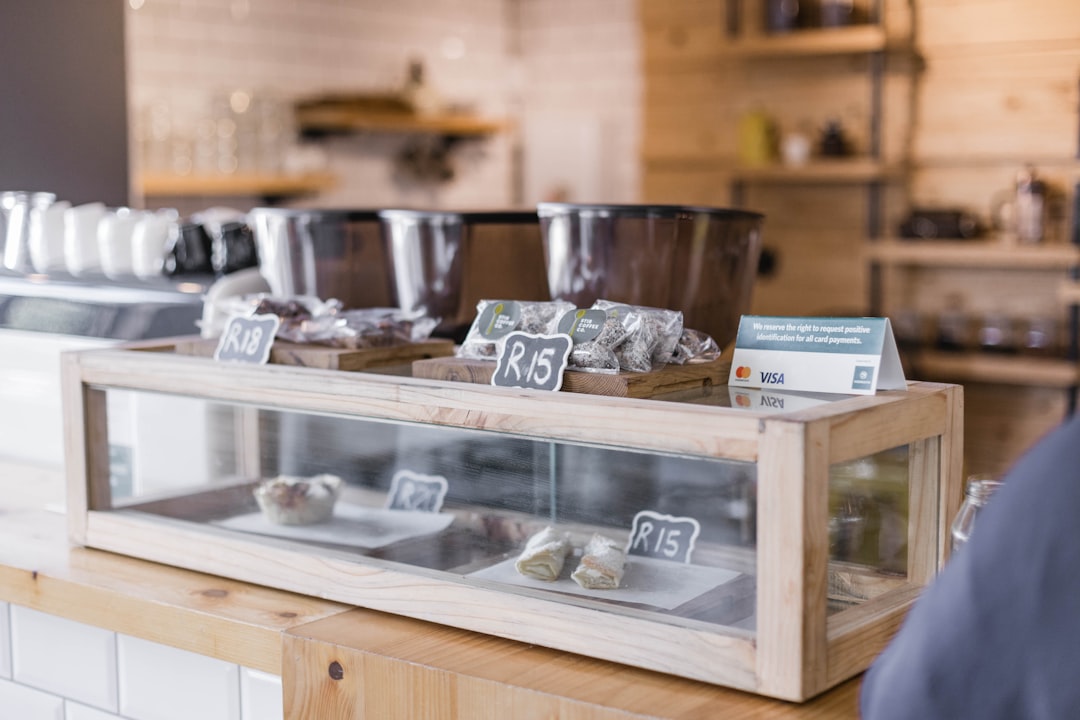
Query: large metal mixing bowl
x=324, y=253
x=702, y=261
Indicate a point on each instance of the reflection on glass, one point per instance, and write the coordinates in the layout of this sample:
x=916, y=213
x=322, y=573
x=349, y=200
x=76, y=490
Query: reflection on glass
x=868, y=525
x=464, y=502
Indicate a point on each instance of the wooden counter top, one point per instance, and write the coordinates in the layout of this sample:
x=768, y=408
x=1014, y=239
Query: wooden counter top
x=334, y=659
x=213, y=616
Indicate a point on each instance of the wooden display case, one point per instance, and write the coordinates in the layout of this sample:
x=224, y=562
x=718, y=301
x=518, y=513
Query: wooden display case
x=820, y=518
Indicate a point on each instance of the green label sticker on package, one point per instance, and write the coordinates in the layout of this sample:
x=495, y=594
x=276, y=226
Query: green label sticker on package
x=499, y=319
x=582, y=325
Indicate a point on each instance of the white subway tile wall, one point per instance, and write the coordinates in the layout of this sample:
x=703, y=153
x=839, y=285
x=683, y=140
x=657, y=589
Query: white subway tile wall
x=498, y=57
x=582, y=91
x=64, y=657
x=158, y=682
x=52, y=668
x=5, y=641
x=260, y=695
x=75, y=711
x=20, y=702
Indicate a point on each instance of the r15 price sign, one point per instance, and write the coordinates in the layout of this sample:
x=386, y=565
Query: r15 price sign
x=532, y=361
x=663, y=536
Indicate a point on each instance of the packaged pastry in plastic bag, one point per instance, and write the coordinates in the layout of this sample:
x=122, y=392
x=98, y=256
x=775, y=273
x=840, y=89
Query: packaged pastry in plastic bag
x=495, y=319
x=361, y=328
x=595, y=335
x=695, y=347
x=307, y=319
x=651, y=334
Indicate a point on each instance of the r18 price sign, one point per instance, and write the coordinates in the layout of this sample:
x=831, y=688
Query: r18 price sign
x=247, y=339
x=532, y=361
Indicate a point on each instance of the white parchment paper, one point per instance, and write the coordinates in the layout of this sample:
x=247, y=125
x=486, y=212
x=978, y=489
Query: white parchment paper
x=352, y=525
x=648, y=581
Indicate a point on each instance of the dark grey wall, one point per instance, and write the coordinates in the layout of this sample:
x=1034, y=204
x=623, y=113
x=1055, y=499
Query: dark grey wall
x=63, y=99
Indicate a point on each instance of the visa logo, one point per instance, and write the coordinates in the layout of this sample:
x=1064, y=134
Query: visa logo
x=772, y=402
x=772, y=378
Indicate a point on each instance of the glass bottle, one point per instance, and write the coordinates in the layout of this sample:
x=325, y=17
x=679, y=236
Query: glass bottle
x=976, y=494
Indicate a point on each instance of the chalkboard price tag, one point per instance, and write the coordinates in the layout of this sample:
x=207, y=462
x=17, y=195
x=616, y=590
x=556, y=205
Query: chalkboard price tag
x=247, y=339
x=413, y=491
x=532, y=361
x=663, y=536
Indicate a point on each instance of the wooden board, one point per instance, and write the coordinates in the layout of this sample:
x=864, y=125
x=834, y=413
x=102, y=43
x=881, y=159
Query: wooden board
x=624, y=384
x=329, y=358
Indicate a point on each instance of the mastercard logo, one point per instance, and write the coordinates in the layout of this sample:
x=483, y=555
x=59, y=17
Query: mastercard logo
x=742, y=372
x=742, y=400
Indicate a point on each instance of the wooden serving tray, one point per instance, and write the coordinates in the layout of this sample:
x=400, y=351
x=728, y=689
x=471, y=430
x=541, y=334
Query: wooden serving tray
x=624, y=384
x=331, y=358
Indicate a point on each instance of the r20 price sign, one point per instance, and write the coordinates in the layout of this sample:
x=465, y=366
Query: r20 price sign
x=532, y=361
x=247, y=339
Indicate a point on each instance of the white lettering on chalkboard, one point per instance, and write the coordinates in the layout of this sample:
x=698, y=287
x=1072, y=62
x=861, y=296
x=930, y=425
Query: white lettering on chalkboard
x=247, y=339
x=413, y=491
x=662, y=536
x=532, y=361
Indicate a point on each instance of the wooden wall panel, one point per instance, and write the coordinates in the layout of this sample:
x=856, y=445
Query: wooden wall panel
x=682, y=184
x=992, y=85
x=984, y=22
x=1003, y=421
x=1017, y=293
x=981, y=106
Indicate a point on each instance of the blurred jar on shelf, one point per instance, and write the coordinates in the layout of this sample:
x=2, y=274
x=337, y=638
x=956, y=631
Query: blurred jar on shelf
x=757, y=138
x=783, y=16
x=995, y=333
x=1039, y=337
x=953, y=330
x=977, y=494
x=1025, y=212
x=836, y=13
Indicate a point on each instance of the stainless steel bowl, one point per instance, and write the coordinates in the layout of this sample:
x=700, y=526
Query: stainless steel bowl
x=424, y=255
x=702, y=261
x=326, y=253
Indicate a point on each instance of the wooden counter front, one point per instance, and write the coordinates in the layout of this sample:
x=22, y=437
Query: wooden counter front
x=337, y=661
x=366, y=664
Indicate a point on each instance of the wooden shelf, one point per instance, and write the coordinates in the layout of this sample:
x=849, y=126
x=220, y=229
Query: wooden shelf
x=839, y=171
x=1003, y=369
x=327, y=119
x=974, y=254
x=848, y=170
x=820, y=41
x=235, y=185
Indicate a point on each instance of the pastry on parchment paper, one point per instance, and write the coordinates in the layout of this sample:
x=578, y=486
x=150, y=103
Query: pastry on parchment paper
x=292, y=500
x=544, y=555
x=602, y=564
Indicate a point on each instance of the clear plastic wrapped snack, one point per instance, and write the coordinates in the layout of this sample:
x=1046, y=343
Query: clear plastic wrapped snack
x=695, y=347
x=361, y=328
x=495, y=319
x=309, y=320
x=592, y=356
x=651, y=334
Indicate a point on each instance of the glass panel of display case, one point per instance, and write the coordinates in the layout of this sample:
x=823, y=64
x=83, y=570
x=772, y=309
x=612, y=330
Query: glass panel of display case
x=868, y=527
x=628, y=531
